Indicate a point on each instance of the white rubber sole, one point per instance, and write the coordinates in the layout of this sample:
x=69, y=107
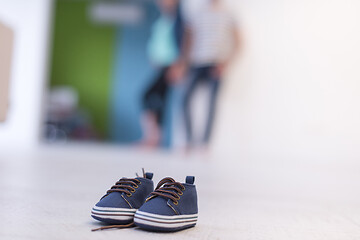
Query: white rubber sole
x=164, y=222
x=119, y=214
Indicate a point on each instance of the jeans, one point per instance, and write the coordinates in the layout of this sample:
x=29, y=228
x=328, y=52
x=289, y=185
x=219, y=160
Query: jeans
x=206, y=76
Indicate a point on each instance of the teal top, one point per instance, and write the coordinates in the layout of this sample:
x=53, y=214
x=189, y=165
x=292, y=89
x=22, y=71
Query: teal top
x=162, y=48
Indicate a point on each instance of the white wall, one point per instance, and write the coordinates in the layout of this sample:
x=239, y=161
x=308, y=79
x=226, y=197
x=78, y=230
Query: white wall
x=295, y=92
x=30, y=20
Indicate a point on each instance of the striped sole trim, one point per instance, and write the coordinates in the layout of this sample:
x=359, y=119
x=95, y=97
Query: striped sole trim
x=166, y=222
x=121, y=214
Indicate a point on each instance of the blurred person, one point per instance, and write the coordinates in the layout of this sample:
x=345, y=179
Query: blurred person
x=163, y=50
x=211, y=42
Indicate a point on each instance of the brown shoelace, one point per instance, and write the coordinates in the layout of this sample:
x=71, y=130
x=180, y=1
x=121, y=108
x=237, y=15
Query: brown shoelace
x=125, y=185
x=114, y=226
x=168, y=188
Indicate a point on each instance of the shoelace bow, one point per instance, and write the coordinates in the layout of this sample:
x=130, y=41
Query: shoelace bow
x=168, y=188
x=124, y=185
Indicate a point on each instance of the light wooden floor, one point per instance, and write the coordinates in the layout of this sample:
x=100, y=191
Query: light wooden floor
x=49, y=195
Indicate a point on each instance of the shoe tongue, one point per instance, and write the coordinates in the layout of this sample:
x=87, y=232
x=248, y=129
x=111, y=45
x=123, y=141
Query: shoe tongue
x=147, y=175
x=190, y=179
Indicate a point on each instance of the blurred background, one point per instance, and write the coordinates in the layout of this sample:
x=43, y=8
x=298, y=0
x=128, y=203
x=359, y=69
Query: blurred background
x=258, y=99
x=80, y=69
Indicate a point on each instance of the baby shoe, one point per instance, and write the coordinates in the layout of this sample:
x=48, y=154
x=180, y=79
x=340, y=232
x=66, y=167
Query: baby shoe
x=120, y=203
x=171, y=207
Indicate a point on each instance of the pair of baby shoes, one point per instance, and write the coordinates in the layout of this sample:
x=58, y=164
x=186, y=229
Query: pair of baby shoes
x=172, y=206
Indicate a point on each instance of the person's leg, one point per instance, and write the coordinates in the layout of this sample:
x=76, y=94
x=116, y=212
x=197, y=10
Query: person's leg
x=214, y=85
x=154, y=101
x=151, y=130
x=194, y=80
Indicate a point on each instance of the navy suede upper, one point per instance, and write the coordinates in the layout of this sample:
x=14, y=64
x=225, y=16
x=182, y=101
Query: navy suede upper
x=187, y=204
x=121, y=200
x=113, y=200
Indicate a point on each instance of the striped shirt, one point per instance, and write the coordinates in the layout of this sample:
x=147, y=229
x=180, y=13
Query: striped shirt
x=212, y=36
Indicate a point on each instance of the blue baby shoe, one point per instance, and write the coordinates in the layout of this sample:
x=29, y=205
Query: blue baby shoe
x=120, y=203
x=171, y=207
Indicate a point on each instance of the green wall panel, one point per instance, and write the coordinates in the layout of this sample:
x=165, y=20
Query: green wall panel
x=83, y=58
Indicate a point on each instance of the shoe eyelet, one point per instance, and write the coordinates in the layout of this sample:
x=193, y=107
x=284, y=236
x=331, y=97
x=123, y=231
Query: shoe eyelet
x=129, y=195
x=183, y=188
x=132, y=191
x=176, y=203
x=181, y=193
x=136, y=186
